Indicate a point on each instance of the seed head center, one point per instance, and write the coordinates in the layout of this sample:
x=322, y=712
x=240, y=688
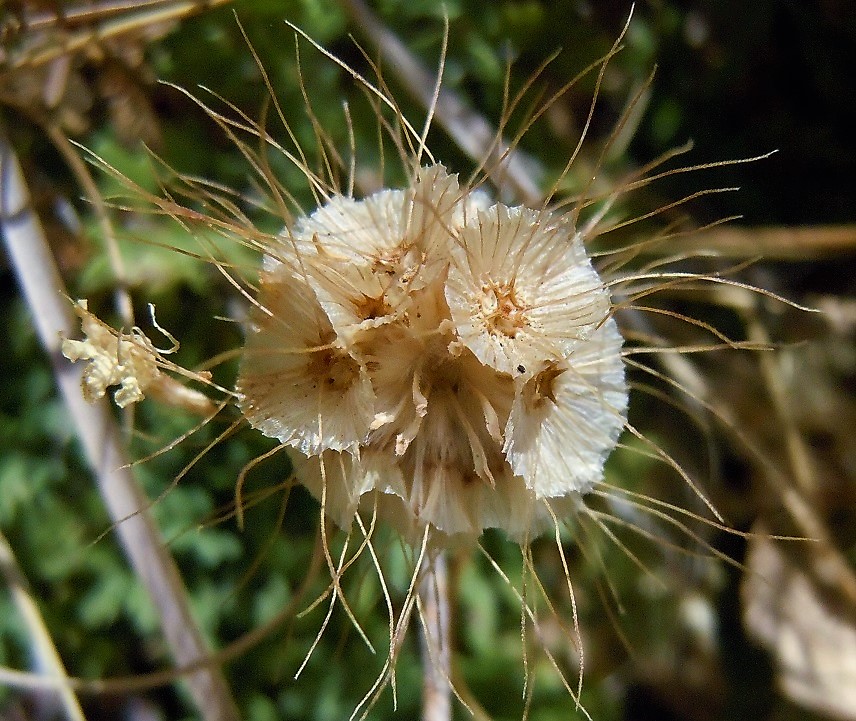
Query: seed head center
x=503, y=309
x=333, y=369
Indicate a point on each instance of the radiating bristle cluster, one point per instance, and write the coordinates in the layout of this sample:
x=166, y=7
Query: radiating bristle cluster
x=450, y=360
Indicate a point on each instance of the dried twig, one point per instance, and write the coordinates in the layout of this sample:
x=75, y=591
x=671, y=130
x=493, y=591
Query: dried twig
x=43, y=646
x=792, y=243
x=120, y=17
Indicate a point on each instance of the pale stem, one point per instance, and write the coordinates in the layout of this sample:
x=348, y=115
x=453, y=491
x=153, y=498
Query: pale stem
x=44, y=290
x=796, y=243
x=436, y=651
x=43, y=647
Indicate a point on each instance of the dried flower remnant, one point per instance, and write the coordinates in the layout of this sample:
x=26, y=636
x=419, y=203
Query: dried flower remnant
x=307, y=391
x=424, y=345
x=132, y=362
x=124, y=360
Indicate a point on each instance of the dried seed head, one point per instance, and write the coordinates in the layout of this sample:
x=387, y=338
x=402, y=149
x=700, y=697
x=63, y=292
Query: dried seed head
x=297, y=384
x=567, y=417
x=425, y=347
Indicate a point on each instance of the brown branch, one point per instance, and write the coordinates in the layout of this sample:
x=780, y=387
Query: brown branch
x=121, y=17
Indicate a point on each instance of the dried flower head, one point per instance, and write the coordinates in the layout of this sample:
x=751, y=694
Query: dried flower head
x=423, y=345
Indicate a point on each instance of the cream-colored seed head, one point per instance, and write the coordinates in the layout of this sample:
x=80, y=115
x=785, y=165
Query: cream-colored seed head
x=521, y=289
x=451, y=362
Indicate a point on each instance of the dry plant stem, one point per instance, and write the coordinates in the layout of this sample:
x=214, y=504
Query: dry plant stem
x=436, y=654
x=43, y=646
x=99, y=435
x=470, y=131
x=801, y=243
x=136, y=15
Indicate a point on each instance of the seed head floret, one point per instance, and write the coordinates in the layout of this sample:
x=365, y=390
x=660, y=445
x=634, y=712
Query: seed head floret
x=453, y=361
x=567, y=417
x=297, y=383
x=521, y=288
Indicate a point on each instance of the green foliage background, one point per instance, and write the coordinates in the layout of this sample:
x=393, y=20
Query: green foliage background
x=739, y=79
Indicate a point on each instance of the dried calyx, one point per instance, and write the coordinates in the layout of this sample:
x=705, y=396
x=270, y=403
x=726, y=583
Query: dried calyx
x=449, y=362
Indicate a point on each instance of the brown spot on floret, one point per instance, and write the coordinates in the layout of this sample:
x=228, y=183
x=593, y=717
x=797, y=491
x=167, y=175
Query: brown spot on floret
x=541, y=387
x=370, y=308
